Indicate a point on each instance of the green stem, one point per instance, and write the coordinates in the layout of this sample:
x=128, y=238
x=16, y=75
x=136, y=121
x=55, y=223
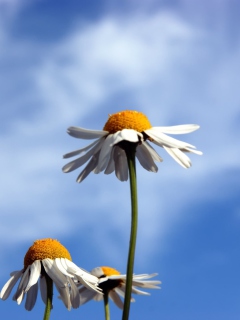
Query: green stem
x=49, y=297
x=130, y=152
x=106, y=306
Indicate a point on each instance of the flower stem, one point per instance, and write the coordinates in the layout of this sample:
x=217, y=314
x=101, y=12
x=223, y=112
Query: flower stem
x=130, y=152
x=49, y=297
x=106, y=306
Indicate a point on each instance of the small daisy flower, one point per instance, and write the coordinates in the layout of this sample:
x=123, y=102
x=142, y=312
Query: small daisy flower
x=113, y=283
x=48, y=257
x=107, y=152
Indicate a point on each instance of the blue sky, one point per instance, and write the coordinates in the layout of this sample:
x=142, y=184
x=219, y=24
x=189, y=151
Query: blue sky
x=69, y=63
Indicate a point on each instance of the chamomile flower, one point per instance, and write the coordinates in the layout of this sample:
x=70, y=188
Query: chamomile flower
x=48, y=257
x=107, y=153
x=113, y=283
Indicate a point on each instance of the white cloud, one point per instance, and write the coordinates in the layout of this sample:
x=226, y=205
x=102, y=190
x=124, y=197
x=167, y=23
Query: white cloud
x=162, y=63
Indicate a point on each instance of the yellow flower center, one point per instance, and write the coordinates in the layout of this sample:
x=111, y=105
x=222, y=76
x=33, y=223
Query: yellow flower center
x=127, y=119
x=110, y=271
x=45, y=248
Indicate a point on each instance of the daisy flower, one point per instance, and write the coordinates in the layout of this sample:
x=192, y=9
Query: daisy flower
x=107, y=153
x=113, y=283
x=47, y=257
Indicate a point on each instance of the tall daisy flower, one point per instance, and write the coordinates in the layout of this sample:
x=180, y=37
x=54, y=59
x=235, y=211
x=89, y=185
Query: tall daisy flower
x=49, y=261
x=113, y=284
x=107, y=152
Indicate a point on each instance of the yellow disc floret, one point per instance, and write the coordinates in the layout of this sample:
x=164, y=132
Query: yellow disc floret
x=45, y=248
x=109, y=271
x=127, y=119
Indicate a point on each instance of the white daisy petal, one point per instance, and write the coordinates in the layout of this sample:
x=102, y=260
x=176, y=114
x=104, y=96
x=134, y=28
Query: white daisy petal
x=43, y=289
x=54, y=273
x=18, y=296
x=79, y=151
x=86, y=295
x=136, y=291
x=7, y=288
x=179, y=157
x=162, y=139
x=130, y=135
x=111, y=165
x=35, y=270
x=89, y=168
x=106, y=151
x=65, y=296
x=74, y=294
x=80, y=161
x=153, y=152
x=31, y=297
x=116, y=299
x=82, y=133
x=145, y=159
x=180, y=129
x=121, y=165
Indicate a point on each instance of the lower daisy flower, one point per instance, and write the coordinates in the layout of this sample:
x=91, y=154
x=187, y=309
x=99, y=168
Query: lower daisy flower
x=112, y=283
x=47, y=257
x=107, y=152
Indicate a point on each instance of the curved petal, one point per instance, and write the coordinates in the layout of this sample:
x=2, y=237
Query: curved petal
x=89, y=167
x=64, y=295
x=163, y=140
x=145, y=159
x=31, y=297
x=80, y=161
x=54, y=273
x=18, y=296
x=179, y=129
x=82, y=133
x=152, y=151
x=35, y=270
x=179, y=157
x=79, y=151
x=116, y=299
x=137, y=291
x=121, y=165
x=7, y=288
x=111, y=165
x=130, y=135
x=43, y=289
x=74, y=294
x=86, y=295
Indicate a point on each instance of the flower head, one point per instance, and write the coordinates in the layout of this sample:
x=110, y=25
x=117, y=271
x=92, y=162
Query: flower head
x=107, y=152
x=48, y=257
x=113, y=283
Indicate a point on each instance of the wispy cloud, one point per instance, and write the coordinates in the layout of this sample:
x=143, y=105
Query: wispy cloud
x=167, y=68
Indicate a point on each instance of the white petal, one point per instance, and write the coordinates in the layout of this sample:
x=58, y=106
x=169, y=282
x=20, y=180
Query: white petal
x=111, y=165
x=79, y=273
x=7, y=288
x=18, y=296
x=97, y=272
x=54, y=273
x=180, y=129
x=136, y=291
x=116, y=299
x=43, y=289
x=31, y=297
x=106, y=151
x=74, y=294
x=79, y=151
x=121, y=165
x=130, y=135
x=89, y=168
x=179, y=157
x=153, y=152
x=80, y=161
x=35, y=270
x=98, y=297
x=87, y=295
x=162, y=139
x=82, y=133
x=64, y=295
x=145, y=158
